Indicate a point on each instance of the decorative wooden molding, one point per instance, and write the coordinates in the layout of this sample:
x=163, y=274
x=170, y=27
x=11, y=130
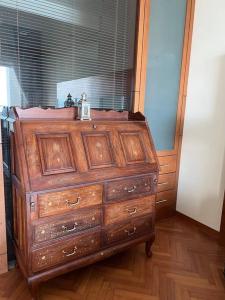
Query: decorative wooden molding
x=41, y=113
x=141, y=54
x=108, y=114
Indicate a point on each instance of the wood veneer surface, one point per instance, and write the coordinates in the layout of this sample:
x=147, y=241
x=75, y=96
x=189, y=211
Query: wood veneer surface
x=186, y=264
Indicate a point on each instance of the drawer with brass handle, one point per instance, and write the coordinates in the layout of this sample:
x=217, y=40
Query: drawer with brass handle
x=166, y=182
x=69, y=224
x=165, y=198
x=64, y=251
x=168, y=164
x=130, y=188
x=54, y=203
x=129, y=230
x=117, y=212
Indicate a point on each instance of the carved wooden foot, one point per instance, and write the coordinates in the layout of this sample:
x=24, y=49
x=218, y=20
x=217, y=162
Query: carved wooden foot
x=34, y=290
x=148, y=246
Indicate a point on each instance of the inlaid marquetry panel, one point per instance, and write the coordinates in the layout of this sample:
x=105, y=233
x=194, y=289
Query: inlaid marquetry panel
x=98, y=149
x=128, y=230
x=69, y=224
x=55, y=153
x=64, y=251
x=133, y=147
x=54, y=203
x=123, y=211
x=129, y=188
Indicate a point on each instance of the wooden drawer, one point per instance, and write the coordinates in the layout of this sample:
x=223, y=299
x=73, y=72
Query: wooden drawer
x=165, y=198
x=130, y=188
x=65, y=251
x=166, y=182
x=168, y=164
x=81, y=220
x=129, y=230
x=123, y=211
x=64, y=201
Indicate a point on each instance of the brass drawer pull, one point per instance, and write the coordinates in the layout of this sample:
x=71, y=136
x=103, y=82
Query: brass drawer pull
x=66, y=229
x=161, y=201
x=130, y=190
x=71, y=253
x=129, y=233
x=163, y=183
x=76, y=202
x=132, y=211
x=166, y=165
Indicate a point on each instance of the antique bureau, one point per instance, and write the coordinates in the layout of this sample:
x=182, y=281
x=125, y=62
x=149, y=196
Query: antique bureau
x=83, y=190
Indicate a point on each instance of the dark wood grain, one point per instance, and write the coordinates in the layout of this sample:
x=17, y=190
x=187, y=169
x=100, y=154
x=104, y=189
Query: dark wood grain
x=130, y=188
x=65, y=251
x=50, y=229
x=69, y=200
x=119, y=212
x=83, y=190
x=129, y=230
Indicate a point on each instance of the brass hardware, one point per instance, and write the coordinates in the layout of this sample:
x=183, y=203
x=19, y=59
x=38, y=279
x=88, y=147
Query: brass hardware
x=163, y=183
x=71, y=253
x=161, y=201
x=73, y=203
x=32, y=206
x=166, y=165
x=65, y=228
x=155, y=181
x=130, y=190
x=129, y=233
x=94, y=126
x=43, y=257
x=132, y=211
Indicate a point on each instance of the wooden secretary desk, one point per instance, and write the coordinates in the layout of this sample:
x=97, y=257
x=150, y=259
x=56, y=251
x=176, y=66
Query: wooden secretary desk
x=83, y=190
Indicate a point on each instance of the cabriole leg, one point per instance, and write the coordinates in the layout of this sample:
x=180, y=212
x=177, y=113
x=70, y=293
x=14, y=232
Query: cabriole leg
x=148, y=246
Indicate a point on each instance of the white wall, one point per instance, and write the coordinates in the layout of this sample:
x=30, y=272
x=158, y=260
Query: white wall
x=202, y=175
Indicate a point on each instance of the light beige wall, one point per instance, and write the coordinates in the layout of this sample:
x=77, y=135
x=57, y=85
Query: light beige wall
x=202, y=170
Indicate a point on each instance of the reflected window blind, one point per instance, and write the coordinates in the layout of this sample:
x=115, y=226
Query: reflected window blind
x=50, y=48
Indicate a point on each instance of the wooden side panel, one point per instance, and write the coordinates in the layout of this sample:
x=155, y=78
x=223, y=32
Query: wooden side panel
x=3, y=246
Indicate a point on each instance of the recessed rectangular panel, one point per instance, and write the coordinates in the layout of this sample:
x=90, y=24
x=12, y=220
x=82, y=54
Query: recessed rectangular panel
x=55, y=153
x=133, y=147
x=98, y=150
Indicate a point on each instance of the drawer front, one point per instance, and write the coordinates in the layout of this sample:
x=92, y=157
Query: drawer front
x=123, y=211
x=165, y=198
x=129, y=230
x=84, y=219
x=69, y=200
x=130, y=188
x=168, y=164
x=65, y=251
x=166, y=182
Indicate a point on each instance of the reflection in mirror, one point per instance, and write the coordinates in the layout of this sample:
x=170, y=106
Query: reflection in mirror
x=51, y=48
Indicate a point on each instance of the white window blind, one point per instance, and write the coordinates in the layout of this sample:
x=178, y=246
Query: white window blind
x=51, y=48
